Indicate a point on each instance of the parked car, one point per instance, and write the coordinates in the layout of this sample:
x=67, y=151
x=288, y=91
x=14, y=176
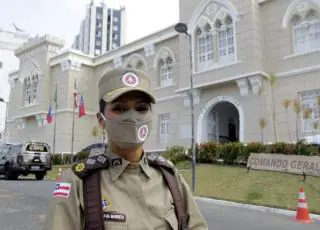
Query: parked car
x=24, y=159
x=91, y=150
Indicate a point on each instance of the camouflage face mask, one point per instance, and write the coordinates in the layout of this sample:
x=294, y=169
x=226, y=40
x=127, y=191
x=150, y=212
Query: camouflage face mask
x=130, y=129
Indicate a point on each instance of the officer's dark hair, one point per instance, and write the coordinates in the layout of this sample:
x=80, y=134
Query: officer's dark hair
x=102, y=106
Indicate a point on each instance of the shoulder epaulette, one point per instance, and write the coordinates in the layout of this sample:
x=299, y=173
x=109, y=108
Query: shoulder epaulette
x=156, y=160
x=92, y=164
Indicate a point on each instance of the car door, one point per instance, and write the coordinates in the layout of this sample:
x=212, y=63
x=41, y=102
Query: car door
x=3, y=153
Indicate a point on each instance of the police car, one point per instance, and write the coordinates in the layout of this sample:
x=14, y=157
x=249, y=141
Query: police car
x=24, y=159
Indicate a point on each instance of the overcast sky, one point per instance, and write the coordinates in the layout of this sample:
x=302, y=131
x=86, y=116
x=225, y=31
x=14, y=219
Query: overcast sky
x=62, y=18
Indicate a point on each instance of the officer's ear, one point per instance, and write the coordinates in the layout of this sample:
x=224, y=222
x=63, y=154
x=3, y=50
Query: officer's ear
x=101, y=119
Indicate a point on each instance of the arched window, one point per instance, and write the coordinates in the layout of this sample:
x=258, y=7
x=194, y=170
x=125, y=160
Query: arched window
x=136, y=61
x=35, y=86
x=225, y=39
x=215, y=40
x=306, y=32
x=140, y=65
x=30, y=88
x=166, y=72
x=205, y=46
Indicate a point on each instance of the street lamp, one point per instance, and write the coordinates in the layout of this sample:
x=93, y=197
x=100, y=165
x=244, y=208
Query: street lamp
x=6, y=117
x=182, y=28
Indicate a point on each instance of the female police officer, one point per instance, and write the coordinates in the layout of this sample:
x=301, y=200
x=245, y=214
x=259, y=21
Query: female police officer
x=134, y=195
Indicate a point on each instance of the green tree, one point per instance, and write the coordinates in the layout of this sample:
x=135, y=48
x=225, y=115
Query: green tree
x=286, y=104
x=263, y=123
x=272, y=82
x=297, y=110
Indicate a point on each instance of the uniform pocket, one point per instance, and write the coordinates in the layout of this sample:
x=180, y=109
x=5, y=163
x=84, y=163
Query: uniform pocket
x=171, y=219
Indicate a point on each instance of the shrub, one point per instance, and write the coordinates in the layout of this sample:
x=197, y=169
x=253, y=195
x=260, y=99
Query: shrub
x=207, y=152
x=176, y=154
x=230, y=152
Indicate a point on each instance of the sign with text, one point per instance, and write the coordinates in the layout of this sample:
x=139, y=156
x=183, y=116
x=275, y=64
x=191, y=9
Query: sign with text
x=36, y=148
x=310, y=165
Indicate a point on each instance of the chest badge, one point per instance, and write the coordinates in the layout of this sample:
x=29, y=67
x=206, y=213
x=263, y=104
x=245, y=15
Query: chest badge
x=105, y=202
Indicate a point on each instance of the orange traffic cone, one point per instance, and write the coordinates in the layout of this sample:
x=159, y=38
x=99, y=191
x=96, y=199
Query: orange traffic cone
x=302, y=209
x=58, y=175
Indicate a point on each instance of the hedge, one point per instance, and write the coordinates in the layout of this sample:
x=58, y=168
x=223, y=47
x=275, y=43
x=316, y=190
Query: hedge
x=236, y=152
x=211, y=152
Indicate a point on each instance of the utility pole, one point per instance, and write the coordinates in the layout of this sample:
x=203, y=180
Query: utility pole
x=55, y=119
x=183, y=28
x=73, y=120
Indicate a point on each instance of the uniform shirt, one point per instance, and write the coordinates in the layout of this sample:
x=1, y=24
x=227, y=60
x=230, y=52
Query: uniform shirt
x=136, y=193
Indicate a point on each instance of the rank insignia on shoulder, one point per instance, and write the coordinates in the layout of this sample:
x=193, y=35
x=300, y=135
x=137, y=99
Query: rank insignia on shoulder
x=157, y=160
x=116, y=162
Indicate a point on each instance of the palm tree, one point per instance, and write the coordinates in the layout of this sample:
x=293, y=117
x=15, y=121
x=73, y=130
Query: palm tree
x=272, y=82
x=95, y=131
x=286, y=103
x=263, y=123
x=315, y=126
x=307, y=113
x=297, y=110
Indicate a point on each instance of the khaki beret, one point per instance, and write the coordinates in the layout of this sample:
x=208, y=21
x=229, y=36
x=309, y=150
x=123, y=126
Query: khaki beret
x=119, y=81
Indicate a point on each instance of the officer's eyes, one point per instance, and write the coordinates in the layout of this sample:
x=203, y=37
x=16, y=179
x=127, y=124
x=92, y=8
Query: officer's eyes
x=119, y=108
x=143, y=107
x=140, y=107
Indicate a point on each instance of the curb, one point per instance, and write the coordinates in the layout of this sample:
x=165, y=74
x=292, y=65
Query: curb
x=253, y=207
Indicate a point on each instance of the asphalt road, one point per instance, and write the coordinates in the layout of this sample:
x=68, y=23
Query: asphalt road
x=23, y=205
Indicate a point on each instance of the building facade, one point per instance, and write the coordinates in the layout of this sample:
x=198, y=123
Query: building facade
x=102, y=29
x=10, y=39
x=236, y=45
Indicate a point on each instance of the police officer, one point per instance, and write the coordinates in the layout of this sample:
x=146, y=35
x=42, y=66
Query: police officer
x=134, y=194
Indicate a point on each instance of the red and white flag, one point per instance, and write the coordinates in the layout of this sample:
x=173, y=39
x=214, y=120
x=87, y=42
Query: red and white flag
x=82, y=109
x=62, y=190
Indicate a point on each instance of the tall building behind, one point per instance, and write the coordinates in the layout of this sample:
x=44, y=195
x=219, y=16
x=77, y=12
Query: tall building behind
x=11, y=37
x=102, y=29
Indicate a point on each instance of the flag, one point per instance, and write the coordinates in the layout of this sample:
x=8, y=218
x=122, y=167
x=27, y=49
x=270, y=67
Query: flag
x=62, y=189
x=49, y=115
x=82, y=110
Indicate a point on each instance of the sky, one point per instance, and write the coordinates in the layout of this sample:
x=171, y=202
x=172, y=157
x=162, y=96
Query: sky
x=62, y=18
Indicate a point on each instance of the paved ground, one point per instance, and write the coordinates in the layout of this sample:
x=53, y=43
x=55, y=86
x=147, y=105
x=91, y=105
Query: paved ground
x=24, y=203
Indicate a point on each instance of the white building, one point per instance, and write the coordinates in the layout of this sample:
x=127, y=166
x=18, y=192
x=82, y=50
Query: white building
x=101, y=30
x=235, y=45
x=10, y=39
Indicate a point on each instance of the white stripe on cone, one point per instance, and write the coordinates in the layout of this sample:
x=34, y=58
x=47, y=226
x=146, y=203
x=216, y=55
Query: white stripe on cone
x=302, y=195
x=302, y=205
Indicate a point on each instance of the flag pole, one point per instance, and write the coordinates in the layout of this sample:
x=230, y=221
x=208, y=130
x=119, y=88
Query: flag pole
x=75, y=94
x=55, y=120
x=73, y=118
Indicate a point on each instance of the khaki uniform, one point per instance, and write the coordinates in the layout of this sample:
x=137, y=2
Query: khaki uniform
x=134, y=196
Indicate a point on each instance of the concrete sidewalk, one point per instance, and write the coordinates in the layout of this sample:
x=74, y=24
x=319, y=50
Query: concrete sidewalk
x=253, y=207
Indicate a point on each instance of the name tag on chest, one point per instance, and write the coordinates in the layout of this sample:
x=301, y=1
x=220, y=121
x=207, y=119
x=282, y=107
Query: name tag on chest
x=114, y=216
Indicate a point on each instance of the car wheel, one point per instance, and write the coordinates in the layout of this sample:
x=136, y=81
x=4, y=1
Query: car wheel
x=9, y=174
x=40, y=176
